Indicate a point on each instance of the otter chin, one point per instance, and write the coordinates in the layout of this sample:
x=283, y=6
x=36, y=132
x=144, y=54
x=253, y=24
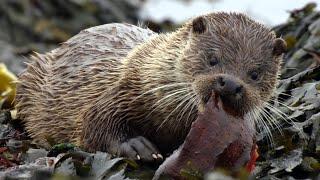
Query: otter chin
x=131, y=92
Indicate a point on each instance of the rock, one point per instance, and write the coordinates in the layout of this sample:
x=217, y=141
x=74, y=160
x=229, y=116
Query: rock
x=33, y=154
x=14, y=62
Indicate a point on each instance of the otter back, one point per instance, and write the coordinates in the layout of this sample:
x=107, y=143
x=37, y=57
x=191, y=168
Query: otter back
x=54, y=88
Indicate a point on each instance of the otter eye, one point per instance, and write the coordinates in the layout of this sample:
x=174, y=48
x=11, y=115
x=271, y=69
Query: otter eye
x=254, y=75
x=213, y=61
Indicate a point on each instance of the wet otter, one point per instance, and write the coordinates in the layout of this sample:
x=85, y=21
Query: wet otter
x=125, y=90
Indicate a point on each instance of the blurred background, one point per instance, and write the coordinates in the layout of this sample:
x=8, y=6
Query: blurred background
x=40, y=25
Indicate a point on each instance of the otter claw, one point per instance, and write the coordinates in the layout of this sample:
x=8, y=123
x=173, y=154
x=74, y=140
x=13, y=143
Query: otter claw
x=154, y=156
x=138, y=157
x=160, y=156
x=140, y=148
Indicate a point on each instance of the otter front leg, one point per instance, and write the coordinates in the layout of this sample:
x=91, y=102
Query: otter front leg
x=105, y=128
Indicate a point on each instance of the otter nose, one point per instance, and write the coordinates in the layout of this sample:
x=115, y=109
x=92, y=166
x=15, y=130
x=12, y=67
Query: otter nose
x=229, y=86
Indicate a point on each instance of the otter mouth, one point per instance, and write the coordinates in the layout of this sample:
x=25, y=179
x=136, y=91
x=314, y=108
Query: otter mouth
x=232, y=92
x=232, y=105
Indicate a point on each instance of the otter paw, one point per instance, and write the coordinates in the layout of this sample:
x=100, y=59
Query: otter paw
x=139, y=148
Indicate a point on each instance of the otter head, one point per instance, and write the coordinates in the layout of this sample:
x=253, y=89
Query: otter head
x=234, y=57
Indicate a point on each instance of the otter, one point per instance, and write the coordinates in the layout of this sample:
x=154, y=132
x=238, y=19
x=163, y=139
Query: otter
x=131, y=92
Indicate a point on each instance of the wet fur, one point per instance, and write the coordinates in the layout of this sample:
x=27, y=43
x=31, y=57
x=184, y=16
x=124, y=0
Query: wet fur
x=99, y=97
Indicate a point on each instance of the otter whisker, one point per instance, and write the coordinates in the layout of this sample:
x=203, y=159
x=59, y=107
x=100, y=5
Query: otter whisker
x=283, y=116
x=194, y=105
x=183, y=111
x=280, y=100
x=282, y=93
x=271, y=109
x=186, y=98
x=188, y=106
x=271, y=119
x=278, y=112
x=289, y=68
x=184, y=108
x=170, y=101
x=257, y=118
x=252, y=115
x=282, y=104
x=178, y=91
x=183, y=100
x=266, y=128
x=159, y=88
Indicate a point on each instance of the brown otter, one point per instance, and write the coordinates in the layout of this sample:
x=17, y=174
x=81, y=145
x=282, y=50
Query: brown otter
x=125, y=90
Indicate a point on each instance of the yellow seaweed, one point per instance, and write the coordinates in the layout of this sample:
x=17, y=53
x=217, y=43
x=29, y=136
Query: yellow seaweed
x=7, y=87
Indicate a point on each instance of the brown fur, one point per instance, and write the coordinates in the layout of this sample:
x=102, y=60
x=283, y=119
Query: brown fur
x=97, y=95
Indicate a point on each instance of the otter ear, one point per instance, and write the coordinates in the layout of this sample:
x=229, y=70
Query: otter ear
x=199, y=25
x=279, y=47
